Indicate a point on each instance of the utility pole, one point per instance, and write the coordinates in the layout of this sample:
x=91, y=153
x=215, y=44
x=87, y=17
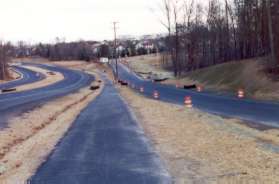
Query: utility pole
x=115, y=49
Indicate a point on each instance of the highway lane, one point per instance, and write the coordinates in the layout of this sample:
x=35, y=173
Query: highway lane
x=12, y=104
x=253, y=111
x=27, y=77
x=105, y=145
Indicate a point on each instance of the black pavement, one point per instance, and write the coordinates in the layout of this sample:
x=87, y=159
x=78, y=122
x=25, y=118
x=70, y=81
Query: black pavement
x=104, y=146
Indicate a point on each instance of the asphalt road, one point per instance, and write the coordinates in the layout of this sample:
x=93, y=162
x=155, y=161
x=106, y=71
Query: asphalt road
x=27, y=76
x=105, y=145
x=253, y=111
x=12, y=104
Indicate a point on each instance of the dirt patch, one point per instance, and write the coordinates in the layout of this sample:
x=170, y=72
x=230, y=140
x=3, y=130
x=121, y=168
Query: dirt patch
x=71, y=64
x=201, y=148
x=148, y=66
x=31, y=137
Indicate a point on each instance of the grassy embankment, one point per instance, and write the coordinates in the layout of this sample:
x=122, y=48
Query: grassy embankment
x=229, y=77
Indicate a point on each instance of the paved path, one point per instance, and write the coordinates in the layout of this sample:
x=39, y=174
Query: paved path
x=104, y=146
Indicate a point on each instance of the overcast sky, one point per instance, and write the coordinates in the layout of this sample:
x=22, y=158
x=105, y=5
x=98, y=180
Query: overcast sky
x=43, y=20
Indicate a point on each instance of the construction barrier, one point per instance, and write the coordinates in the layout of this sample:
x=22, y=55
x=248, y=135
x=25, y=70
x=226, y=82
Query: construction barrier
x=240, y=93
x=199, y=88
x=188, y=102
x=156, y=94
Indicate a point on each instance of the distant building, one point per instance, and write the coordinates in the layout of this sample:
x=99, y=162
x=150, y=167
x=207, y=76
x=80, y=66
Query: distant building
x=104, y=60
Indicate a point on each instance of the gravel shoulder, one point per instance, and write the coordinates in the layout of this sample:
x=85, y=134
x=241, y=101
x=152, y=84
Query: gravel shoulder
x=201, y=148
x=31, y=137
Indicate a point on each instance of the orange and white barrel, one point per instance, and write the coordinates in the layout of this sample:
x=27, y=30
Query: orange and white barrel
x=141, y=89
x=188, y=102
x=156, y=94
x=240, y=93
x=199, y=88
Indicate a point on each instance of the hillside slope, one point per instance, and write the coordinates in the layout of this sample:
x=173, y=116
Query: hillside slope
x=248, y=75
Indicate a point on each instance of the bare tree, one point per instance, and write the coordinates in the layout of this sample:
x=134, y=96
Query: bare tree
x=273, y=62
x=3, y=61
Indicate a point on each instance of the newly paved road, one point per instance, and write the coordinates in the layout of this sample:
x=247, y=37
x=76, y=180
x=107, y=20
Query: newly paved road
x=104, y=146
x=27, y=77
x=12, y=104
x=256, y=112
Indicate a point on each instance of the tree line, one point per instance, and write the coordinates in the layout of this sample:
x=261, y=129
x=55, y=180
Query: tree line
x=223, y=30
x=61, y=50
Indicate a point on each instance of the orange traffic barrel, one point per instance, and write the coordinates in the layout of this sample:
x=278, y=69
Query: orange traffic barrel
x=199, y=88
x=141, y=89
x=188, y=102
x=240, y=93
x=156, y=94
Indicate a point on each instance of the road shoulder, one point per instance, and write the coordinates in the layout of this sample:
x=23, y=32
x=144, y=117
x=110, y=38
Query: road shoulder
x=203, y=148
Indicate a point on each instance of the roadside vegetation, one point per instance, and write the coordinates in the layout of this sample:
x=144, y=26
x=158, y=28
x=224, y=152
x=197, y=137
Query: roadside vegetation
x=250, y=75
x=202, y=35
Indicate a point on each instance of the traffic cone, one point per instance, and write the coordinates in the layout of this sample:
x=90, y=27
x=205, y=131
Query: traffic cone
x=188, y=102
x=199, y=89
x=240, y=93
x=156, y=94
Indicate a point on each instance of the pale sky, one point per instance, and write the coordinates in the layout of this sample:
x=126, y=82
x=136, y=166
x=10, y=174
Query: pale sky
x=43, y=20
x=36, y=21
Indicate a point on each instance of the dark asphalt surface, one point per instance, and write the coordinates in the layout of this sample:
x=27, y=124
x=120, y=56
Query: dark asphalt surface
x=12, y=104
x=28, y=76
x=105, y=145
x=253, y=111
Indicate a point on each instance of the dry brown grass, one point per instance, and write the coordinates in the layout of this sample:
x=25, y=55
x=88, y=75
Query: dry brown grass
x=199, y=147
x=148, y=65
x=228, y=77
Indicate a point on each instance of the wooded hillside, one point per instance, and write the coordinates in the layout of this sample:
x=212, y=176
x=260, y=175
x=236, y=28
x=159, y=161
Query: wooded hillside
x=224, y=30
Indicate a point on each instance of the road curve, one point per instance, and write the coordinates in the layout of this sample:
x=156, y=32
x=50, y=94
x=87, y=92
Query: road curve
x=253, y=111
x=27, y=77
x=19, y=102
